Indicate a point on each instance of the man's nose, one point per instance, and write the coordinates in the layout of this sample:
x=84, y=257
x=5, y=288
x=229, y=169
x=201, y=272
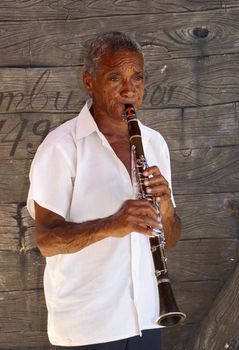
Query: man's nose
x=128, y=89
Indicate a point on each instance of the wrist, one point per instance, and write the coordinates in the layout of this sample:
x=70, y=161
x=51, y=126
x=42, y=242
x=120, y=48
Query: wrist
x=167, y=208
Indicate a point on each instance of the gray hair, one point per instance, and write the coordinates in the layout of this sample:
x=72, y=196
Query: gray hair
x=109, y=42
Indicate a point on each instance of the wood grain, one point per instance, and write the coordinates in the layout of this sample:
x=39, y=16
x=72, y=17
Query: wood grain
x=21, y=272
x=14, y=182
x=22, y=311
x=9, y=229
x=209, y=170
x=29, y=241
x=41, y=90
x=25, y=341
x=206, y=216
x=176, y=83
x=205, y=170
x=21, y=133
x=198, y=260
x=203, y=217
x=25, y=311
x=178, y=338
x=192, y=82
x=8, y=214
x=192, y=301
x=61, y=42
x=68, y=9
x=197, y=127
x=220, y=328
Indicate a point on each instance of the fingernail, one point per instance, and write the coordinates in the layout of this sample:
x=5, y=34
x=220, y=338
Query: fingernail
x=148, y=190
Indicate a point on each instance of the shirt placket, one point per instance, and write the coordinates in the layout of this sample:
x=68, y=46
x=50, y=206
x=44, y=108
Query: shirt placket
x=135, y=275
x=134, y=240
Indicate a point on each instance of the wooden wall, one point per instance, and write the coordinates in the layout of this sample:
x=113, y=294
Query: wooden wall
x=192, y=98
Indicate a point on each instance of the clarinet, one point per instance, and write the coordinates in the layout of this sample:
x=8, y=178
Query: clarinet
x=169, y=314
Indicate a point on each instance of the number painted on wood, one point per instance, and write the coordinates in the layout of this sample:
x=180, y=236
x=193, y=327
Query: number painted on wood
x=17, y=134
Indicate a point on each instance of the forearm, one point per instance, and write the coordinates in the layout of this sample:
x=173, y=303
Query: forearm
x=54, y=235
x=68, y=237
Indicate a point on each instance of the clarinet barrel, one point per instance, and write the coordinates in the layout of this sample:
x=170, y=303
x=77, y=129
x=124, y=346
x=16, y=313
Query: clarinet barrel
x=169, y=313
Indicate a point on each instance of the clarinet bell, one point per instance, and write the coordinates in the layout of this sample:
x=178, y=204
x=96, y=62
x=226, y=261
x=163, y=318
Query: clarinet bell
x=169, y=313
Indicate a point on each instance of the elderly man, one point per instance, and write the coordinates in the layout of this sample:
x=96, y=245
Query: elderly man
x=99, y=282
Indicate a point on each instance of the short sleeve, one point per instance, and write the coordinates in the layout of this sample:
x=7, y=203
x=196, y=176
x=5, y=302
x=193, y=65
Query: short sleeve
x=51, y=183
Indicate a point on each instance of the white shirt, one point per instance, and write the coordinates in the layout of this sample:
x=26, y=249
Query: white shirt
x=107, y=291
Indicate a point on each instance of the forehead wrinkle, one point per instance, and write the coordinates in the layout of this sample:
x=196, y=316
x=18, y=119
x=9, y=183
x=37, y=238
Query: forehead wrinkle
x=121, y=66
x=119, y=60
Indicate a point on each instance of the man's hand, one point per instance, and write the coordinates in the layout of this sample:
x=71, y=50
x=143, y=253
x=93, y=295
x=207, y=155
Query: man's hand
x=158, y=186
x=134, y=215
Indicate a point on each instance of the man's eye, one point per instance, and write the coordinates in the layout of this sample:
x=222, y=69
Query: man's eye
x=139, y=77
x=114, y=78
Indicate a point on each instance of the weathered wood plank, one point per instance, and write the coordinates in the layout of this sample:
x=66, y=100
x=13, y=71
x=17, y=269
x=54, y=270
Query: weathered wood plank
x=22, y=311
x=192, y=82
x=8, y=215
x=14, y=182
x=203, y=216
x=54, y=43
x=196, y=127
x=21, y=134
x=178, y=338
x=17, y=229
x=220, y=329
x=198, y=260
x=68, y=9
x=20, y=271
x=9, y=229
x=41, y=90
x=192, y=301
x=205, y=170
x=25, y=311
x=173, y=339
x=183, y=83
x=25, y=341
x=206, y=216
x=199, y=171
x=9, y=237
x=29, y=231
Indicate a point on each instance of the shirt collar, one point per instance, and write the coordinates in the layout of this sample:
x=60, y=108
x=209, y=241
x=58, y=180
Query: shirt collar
x=86, y=124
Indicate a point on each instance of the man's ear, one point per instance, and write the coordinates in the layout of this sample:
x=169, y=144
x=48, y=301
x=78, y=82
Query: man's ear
x=88, y=82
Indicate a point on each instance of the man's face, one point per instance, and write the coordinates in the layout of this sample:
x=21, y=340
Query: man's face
x=119, y=80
